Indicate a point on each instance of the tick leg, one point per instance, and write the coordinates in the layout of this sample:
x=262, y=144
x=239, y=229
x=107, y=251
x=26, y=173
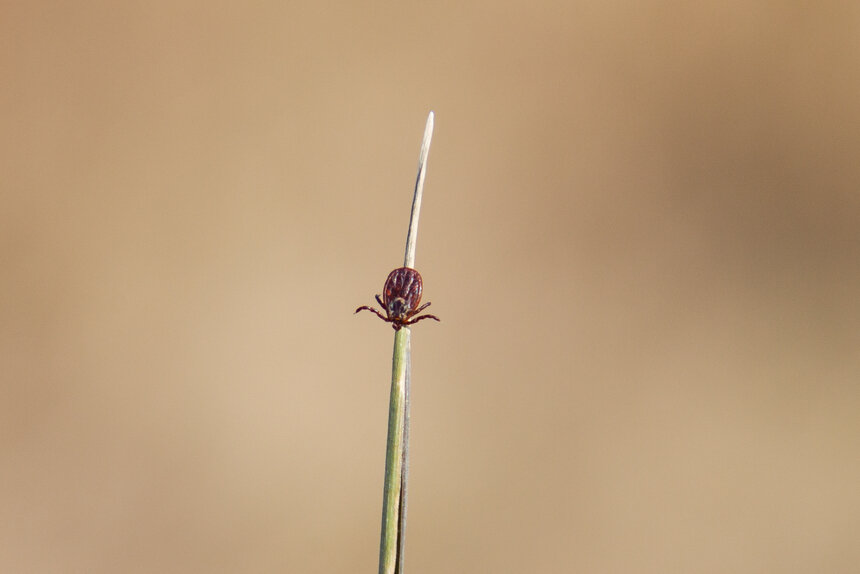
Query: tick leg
x=434, y=317
x=421, y=308
x=379, y=300
x=372, y=310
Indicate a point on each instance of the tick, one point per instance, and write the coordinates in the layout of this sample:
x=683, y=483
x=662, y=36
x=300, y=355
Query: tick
x=401, y=295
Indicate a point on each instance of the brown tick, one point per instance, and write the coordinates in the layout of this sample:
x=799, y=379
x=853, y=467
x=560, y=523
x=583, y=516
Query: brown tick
x=402, y=293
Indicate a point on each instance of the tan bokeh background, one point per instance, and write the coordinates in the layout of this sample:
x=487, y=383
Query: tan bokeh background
x=641, y=229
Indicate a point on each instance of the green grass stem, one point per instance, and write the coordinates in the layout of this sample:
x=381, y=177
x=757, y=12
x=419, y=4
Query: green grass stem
x=397, y=448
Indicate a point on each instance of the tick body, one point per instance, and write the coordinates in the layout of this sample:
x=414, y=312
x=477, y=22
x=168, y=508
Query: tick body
x=400, y=299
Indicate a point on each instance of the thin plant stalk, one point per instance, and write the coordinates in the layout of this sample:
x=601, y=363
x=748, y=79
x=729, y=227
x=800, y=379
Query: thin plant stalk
x=397, y=448
x=390, y=547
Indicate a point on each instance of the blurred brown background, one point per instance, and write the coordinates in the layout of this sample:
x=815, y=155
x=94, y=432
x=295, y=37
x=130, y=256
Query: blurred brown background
x=641, y=229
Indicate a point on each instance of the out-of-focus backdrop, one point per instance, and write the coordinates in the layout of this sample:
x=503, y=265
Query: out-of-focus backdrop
x=641, y=229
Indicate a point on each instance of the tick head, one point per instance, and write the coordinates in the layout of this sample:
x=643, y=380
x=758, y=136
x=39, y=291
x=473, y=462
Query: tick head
x=398, y=308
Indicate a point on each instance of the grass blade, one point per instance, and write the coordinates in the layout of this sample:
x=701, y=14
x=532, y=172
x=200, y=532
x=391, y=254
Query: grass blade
x=397, y=448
